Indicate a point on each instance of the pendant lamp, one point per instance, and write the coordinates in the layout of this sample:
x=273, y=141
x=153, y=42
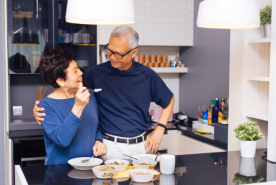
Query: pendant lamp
x=106, y=12
x=228, y=14
x=25, y=36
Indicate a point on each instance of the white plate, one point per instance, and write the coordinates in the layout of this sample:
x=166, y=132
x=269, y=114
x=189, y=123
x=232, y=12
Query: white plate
x=146, y=157
x=76, y=163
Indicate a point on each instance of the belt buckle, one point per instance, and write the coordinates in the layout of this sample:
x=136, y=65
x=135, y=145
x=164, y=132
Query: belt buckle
x=136, y=140
x=127, y=141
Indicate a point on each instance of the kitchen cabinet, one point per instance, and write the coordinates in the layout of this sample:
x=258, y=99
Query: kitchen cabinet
x=159, y=23
x=168, y=23
x=35, y=27
x=179, y=144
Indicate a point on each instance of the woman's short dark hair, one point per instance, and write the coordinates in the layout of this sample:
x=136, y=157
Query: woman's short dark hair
x=53, y=65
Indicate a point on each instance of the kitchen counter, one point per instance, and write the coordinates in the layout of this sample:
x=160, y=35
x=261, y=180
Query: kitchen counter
x=190, y=132
x=196, y=169
x=187, y=131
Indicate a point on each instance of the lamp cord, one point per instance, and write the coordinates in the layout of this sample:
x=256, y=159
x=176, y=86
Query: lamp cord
x=265, y=159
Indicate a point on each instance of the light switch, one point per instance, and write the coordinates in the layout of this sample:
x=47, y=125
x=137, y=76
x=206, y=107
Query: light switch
x=17, y=110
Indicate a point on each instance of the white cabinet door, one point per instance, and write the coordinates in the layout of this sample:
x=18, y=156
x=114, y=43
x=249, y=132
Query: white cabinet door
x=169, y=23
x=189, y=145
x=104, y=31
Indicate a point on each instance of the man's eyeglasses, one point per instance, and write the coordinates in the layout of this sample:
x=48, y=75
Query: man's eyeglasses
x=117, y=55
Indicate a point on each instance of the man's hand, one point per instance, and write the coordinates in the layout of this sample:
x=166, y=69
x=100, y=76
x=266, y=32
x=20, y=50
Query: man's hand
x=154, y=140
x=99, y=149
x=38, y=116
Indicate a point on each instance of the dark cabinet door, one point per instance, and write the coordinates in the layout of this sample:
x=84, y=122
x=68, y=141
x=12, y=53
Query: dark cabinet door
x=77, y=38
x=29, y=33
x=37, y=26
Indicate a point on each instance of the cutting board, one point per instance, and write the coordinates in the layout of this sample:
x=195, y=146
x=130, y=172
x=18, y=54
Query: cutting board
x=124, y=174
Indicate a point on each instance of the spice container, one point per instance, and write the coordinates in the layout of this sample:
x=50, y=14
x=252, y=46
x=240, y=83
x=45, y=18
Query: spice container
x=150, y=65
x=141, y=59
x=168, y=65
x=156, y=65
x=158, y=59
x=153, y=59
x=147, y=59
x=164, y=59
x=162, y=64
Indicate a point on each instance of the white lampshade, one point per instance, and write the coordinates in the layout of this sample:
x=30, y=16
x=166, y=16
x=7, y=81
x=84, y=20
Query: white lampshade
x=228, y=14
x=100, y=12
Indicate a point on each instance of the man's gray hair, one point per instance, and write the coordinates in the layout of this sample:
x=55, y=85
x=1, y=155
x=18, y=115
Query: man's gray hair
x=126, y=32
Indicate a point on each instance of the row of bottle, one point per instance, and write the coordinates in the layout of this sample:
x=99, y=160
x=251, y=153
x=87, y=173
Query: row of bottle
x=217, y=112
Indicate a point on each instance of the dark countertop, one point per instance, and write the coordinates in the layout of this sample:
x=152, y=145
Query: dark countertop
x=197, y=169
x=187, y=131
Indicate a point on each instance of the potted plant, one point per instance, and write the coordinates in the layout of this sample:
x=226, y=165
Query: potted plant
x=240, y=179
x=265, y=15
x=248, y=133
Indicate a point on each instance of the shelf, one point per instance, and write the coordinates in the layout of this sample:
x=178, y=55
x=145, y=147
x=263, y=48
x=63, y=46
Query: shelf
x=170, y=70
x=260, y=40
x=257, y=78
x=256, y=116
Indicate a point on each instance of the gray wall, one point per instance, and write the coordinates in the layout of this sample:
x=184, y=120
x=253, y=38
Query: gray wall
x=208, y=68
x=2, y=103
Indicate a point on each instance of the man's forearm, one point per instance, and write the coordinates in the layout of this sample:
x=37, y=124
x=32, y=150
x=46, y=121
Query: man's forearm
x=166, y=112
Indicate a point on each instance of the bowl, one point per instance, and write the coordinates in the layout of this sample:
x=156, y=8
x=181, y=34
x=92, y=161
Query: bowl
x=119, y=167
x=146, y=157
x=76, y=163
x=141, y=178
x=137, y=165
x=104, y=174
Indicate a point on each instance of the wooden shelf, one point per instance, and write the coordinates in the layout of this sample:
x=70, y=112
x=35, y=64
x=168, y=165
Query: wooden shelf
x=170, y=70
x=258, y=78
x=260, y=40
x=256, y=116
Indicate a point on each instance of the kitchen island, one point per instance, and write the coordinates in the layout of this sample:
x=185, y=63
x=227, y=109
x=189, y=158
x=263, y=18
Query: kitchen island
x=197, y=169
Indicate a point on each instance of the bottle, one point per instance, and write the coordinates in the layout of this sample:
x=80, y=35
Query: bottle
x=205, y=115
x=220, y=116
x=225, y=113
x=177, y=60
x=210, y=109
x=215, y=112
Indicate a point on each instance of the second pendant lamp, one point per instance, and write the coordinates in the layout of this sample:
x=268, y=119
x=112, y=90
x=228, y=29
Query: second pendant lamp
x=228, y=14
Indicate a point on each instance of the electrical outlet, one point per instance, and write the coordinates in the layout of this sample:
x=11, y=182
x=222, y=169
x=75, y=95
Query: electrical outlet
x=17, y=110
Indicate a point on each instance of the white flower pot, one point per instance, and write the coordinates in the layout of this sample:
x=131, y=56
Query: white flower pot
x=248, y=148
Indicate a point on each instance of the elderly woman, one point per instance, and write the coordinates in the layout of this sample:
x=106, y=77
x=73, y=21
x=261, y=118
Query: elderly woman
x=71, y=113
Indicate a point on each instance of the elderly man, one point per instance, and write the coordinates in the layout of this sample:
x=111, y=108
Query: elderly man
x=127, y=90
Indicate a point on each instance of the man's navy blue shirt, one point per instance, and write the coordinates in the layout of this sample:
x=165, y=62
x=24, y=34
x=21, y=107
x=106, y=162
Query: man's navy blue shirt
x=126, y=96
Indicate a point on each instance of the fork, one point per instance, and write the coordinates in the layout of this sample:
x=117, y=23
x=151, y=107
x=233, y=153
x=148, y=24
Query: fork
x=86, y=160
